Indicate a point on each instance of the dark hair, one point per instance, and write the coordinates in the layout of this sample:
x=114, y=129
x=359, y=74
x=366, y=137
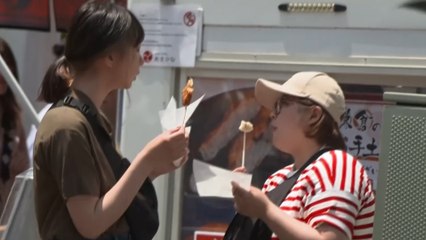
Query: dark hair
x=95, y=29
x=326, y=130
x=7, y=100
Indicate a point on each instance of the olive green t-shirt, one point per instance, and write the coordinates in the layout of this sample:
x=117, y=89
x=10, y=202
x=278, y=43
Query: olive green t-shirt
x=68, y=161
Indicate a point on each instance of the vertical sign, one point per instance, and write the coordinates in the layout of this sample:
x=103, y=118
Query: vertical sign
x=361, y=127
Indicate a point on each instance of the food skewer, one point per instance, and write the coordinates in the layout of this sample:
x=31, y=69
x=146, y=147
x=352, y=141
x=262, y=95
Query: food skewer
x=186, y=96
x=245, y=127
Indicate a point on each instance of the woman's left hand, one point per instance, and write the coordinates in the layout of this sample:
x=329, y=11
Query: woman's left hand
x=252, y=203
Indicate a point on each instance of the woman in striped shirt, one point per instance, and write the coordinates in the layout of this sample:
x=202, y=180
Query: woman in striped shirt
x=333, y=196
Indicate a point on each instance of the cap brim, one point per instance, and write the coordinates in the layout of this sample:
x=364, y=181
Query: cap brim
x=267, y=93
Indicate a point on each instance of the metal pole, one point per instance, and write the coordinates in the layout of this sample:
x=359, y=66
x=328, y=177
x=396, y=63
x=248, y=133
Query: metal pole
x=18, y=92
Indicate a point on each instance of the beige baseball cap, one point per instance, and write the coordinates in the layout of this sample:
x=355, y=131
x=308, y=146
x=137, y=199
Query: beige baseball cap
x=316, y=86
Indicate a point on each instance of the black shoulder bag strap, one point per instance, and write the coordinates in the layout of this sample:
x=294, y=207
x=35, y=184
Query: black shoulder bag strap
x=142, y=214
x=242, y=228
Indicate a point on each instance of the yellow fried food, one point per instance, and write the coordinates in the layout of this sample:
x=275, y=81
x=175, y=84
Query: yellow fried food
x=187, y=92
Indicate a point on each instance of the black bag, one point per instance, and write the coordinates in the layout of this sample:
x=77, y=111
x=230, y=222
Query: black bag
x=244, y=228
x=142, y=214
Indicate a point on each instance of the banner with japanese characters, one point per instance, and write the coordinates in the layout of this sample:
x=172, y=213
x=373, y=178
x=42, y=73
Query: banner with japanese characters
x=361, y=127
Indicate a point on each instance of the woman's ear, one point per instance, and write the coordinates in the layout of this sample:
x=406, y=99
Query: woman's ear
x=106, y=61
x=110, y=60
x=315, y=114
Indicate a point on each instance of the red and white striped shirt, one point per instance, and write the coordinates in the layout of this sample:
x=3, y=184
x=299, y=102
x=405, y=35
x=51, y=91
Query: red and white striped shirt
x=334, y=189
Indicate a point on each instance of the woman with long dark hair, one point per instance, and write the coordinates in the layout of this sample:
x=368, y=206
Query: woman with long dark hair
x=13, y=151
x=83, y=188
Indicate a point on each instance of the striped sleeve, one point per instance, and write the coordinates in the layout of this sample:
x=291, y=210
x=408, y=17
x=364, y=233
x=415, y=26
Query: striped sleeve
x=341, y=187
x=277, y=178
x=365, y=219
x=336, y=208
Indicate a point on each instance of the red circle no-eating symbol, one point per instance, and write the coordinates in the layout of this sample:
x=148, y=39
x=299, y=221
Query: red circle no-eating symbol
x=189, y=19
x=147, y=56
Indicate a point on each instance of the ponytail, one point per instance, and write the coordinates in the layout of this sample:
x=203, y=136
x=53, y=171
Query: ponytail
x=55, y=83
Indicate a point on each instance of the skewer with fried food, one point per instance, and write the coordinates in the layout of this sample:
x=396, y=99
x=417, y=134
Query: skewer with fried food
x=187, y=95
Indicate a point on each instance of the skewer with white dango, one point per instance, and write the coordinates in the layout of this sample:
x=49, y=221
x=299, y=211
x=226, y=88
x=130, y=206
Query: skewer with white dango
x=245, y=127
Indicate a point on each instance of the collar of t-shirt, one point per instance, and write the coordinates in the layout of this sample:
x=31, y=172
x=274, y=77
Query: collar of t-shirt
x=77, y=94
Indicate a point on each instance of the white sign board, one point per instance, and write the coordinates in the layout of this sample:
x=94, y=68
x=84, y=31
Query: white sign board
x=172, y=33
